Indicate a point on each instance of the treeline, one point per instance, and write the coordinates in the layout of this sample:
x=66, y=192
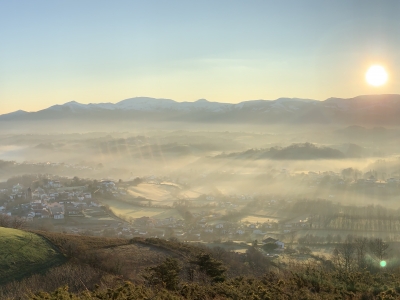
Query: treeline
x=360, y=253
x=389, y=224
x=324, y=214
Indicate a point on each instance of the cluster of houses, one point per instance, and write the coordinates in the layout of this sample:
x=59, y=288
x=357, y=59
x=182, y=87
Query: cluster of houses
x=168, y=227
x=109, y=186
x=210, y=228
x=52, y=200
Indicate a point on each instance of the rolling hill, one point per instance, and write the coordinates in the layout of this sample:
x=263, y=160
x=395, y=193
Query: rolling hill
x=305, y=151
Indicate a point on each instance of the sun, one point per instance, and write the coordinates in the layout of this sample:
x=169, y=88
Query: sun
x=376, y=75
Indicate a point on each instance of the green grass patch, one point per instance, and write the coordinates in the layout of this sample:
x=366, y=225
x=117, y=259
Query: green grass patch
x=23, y=253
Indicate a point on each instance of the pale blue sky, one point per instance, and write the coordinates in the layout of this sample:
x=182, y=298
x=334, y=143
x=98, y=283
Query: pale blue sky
x=228, y=51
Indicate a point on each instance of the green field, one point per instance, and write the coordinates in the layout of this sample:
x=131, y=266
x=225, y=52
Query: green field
x=23, y=253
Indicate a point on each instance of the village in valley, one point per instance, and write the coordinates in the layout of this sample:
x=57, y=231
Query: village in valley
x=117, y=208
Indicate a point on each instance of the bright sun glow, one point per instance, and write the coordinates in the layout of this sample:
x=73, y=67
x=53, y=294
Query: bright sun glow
x=376, y=75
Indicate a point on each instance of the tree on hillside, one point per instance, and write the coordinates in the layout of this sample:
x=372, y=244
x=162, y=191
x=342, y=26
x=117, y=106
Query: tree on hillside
x=211, y=267
x=165, y=274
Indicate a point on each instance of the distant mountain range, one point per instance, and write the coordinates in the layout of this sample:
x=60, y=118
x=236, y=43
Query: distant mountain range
x=361, y=110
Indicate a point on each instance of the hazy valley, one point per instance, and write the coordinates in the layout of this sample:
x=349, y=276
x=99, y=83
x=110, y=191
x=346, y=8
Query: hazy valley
x=242, y=186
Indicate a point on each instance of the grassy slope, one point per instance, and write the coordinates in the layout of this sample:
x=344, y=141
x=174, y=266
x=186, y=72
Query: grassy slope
x=61, y=241
x=23, y=253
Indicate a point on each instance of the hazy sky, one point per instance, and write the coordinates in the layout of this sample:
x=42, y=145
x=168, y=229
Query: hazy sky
x=227, y=51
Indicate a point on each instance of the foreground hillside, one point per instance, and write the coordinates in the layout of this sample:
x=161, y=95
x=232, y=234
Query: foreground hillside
x=103, y=268
x=23, y=253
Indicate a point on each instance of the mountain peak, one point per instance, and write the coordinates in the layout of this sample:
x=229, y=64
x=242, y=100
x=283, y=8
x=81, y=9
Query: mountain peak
x=73, y=102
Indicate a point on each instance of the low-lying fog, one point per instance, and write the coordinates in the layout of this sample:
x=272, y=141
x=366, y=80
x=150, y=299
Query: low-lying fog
x=277, y=161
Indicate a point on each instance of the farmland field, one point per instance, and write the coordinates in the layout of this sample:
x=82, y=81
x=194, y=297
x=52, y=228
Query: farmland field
x=127, y=210
x=165, y=192
x=154, y=192
x=259, y=219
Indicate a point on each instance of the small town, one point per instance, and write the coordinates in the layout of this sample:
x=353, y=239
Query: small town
x=78, y=206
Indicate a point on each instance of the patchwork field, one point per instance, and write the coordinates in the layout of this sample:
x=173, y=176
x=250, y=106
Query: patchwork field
x=156, y=192
x=165, y=192
x=127, y=210
x=22, y=253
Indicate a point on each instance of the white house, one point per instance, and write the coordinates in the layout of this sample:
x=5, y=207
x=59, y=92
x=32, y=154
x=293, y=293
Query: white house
x=240, y=231
x=54, y=184
x=108, y=184
x=59, y=216
x=17, y=188
x=95, y=203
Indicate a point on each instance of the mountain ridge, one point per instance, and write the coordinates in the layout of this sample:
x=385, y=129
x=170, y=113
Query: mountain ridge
x=364, y=109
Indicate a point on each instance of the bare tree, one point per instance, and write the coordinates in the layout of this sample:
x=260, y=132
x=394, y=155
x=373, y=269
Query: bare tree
x=378, y=247
x=346, y=253
x=18, y=223
x=336, y=258
x=5, y=220
x=361, y=244
x=219, y=253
